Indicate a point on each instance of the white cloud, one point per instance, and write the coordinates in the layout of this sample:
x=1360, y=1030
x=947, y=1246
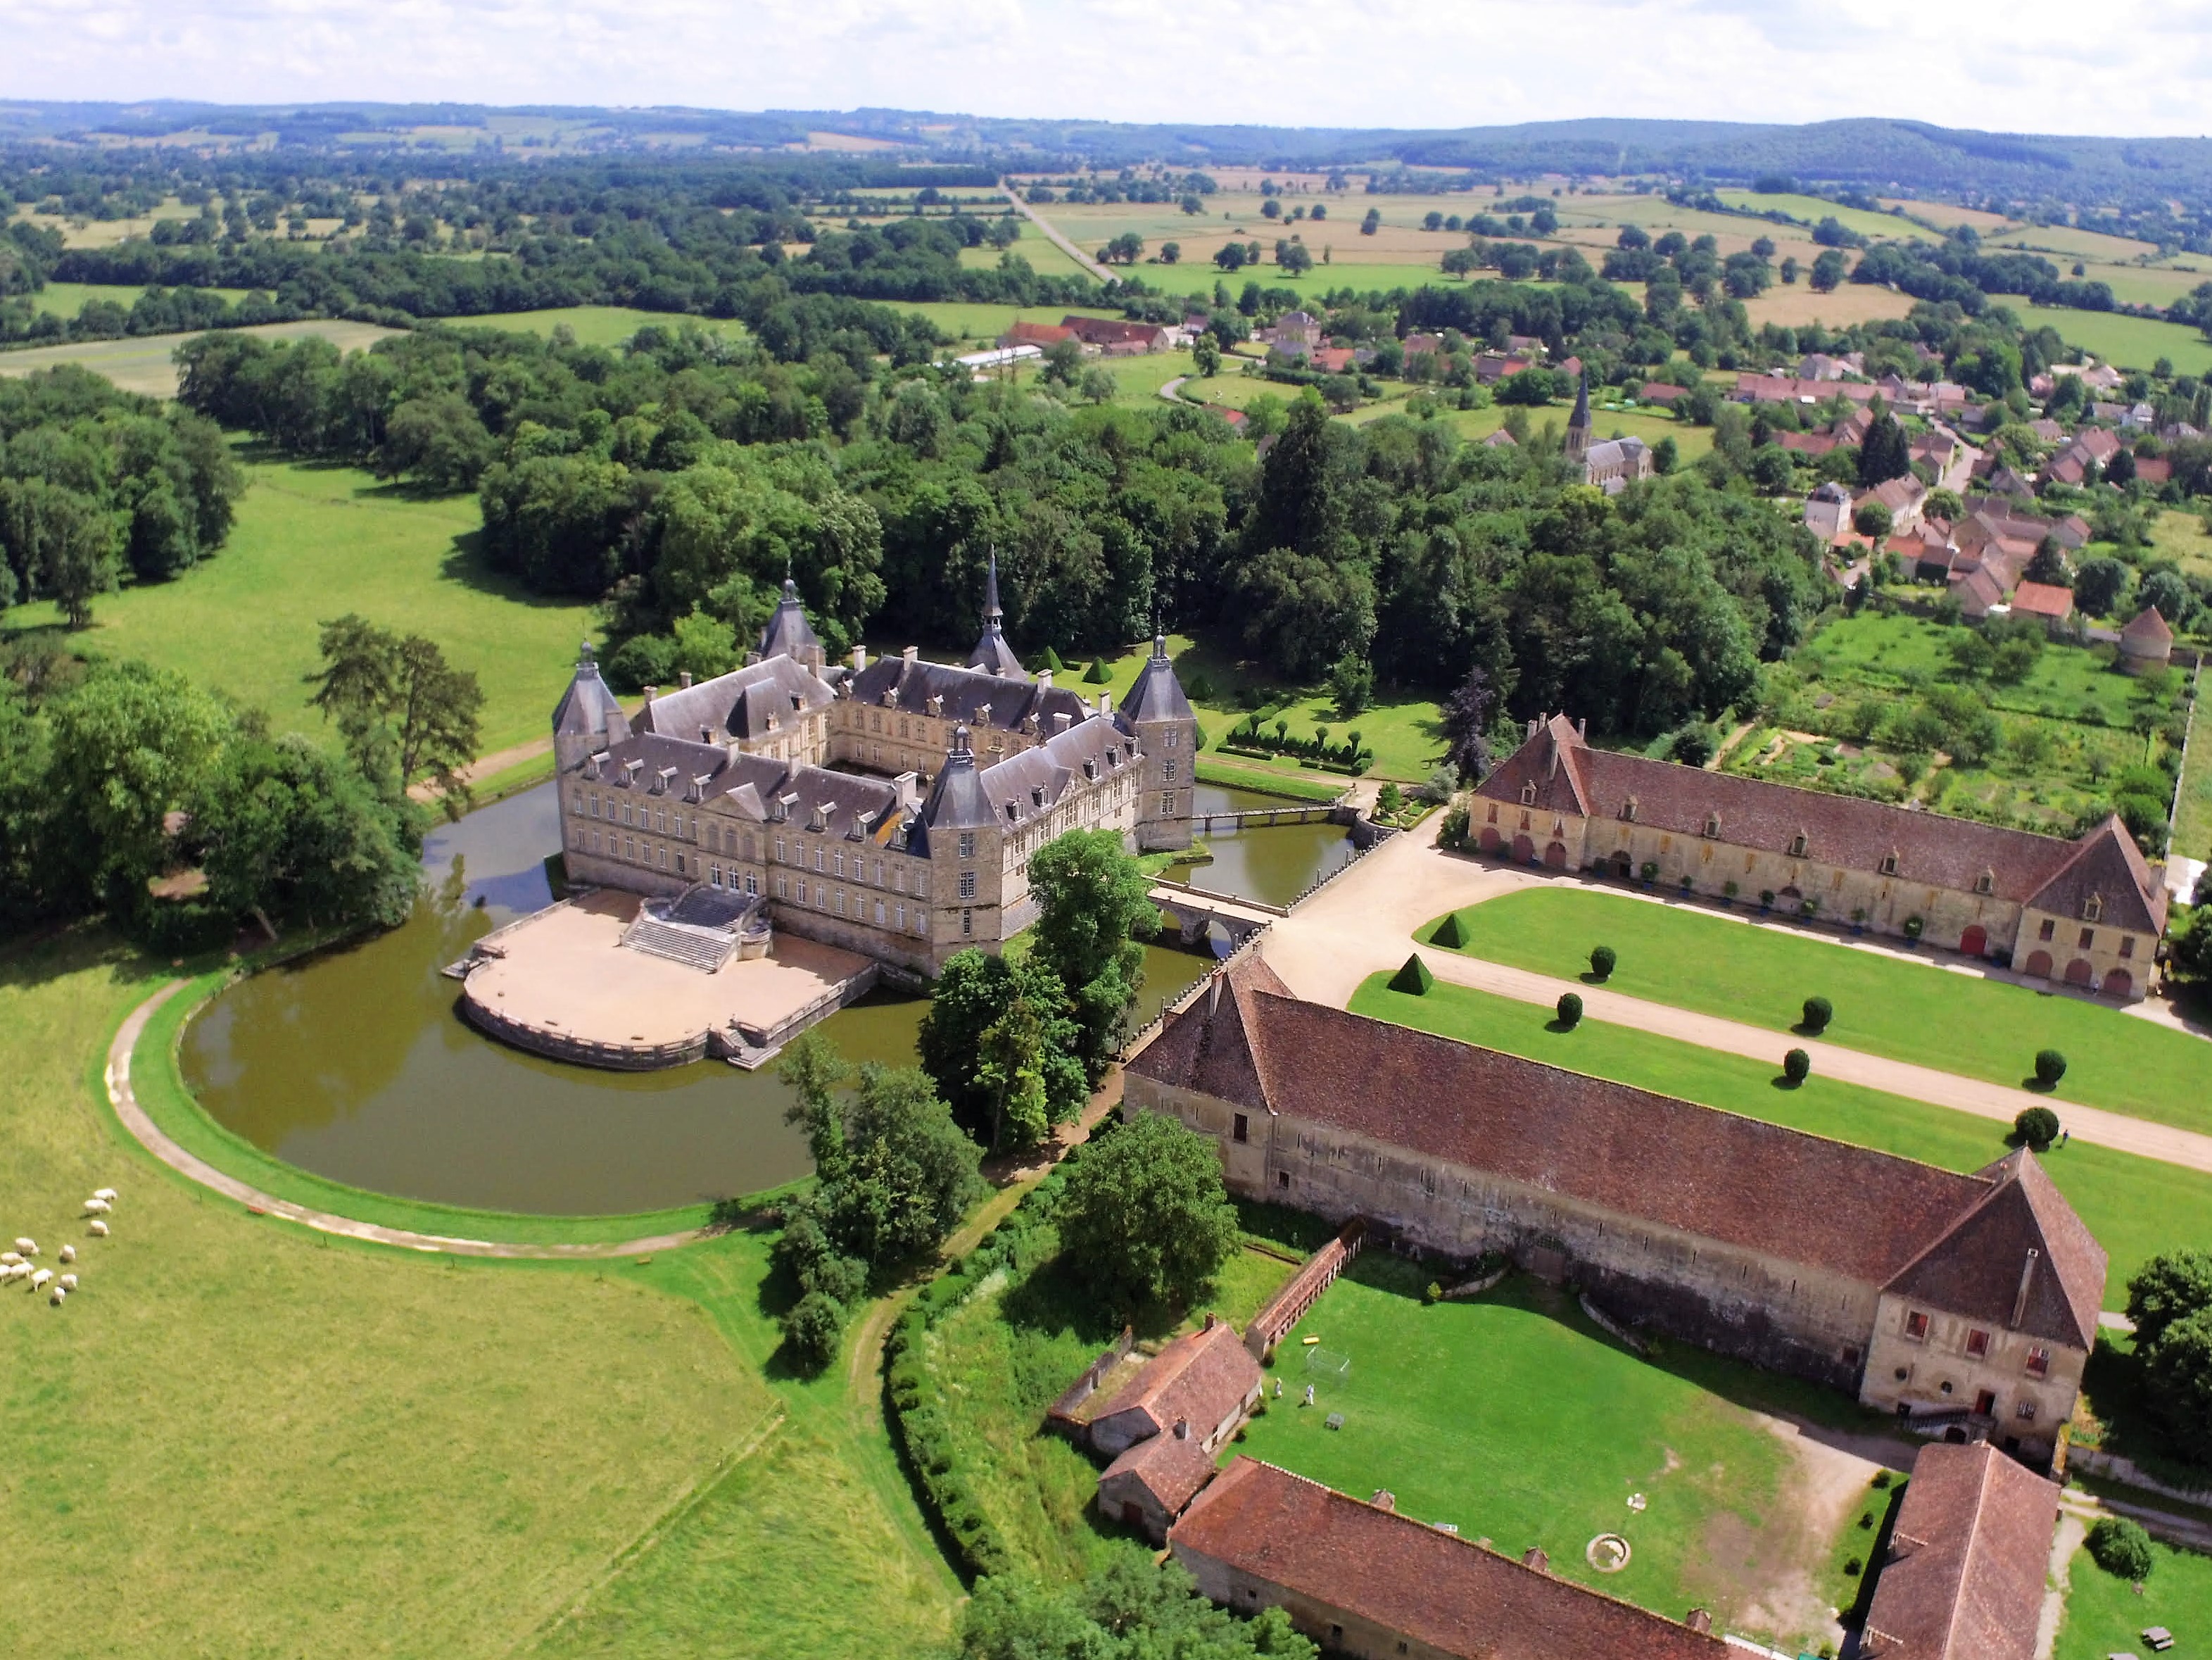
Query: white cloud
x=2127, y=67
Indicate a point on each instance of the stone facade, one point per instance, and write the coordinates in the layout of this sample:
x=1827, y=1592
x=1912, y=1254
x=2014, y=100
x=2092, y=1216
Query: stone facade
x=1788, y=1250
x=889, y=809
x=2087, y=912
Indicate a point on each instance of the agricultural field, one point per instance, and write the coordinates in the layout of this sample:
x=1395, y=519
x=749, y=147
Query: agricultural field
x=146, y=363
x=2065, y=241
x=2129, y=343
x=1810, y=210
x=593, y=326
x=2138, y=1207
x=1688, y=956
x=2147, y=285
x=2104, y=1616
x=1792, y=305
x=101, y=233
x=1045, y=257
x=360, y=1463
x=1948, y=214
x=1513, y=1418
x=314, y=543
x=1851, y=711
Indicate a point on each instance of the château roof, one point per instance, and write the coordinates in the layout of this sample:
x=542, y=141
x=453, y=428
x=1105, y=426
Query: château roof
x=1449, y=1594
x=788, y=632
x=1964, y=1577
x=1740, y=1181
x=2020, y=1259
x=745, y=703
x=1157, y=695
x=585, y=706
x=993, y=656
x=956, y=800
x=1031, y=781
x=965, y=695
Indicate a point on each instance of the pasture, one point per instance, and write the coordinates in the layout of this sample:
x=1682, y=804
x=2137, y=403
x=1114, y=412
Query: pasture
x=1810, y=210
x=1959, y=1022
x=593, y=326
x=312, y=543
x=146, y=364
x=2128, y=342
x=2138, y=1207
x=1514, y=1418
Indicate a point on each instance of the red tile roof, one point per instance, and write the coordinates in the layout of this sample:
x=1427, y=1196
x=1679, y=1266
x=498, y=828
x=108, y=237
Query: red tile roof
x=1964, y=1580
x=1661, y=392
x=1035, y=334
x=1980, y=1269
x=1200, y=1376
x=2043, y=599
x=1435, y=1588
x=2148, y=627
x=1170, y=1468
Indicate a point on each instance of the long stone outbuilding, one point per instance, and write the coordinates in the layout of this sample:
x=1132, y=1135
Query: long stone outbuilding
x=1960, y=1300
x=2087, y=912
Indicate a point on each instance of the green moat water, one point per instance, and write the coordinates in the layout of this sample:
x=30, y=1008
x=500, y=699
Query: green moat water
x=354, y=1065
x=1276, y=863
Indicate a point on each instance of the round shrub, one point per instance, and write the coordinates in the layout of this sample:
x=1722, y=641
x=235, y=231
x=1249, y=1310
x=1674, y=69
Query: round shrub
x=1570, y=1010
x=1650, y=868
x=2050, y=1067
x=2037, y=1128
x=1601, y=961
x=1796, y=1066
x=1433, y=1293
x=811, y=1330
x=1913, y=926
x=1819, y=1011
x=2120, y=1547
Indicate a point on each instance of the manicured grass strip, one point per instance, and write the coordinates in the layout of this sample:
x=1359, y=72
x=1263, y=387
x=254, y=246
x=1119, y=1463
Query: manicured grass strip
x=161, y=1090
x=1957, y=1023
x=1298, y=786
x=2136, y=1207
x=1513, y=1418
x=2104, y=1616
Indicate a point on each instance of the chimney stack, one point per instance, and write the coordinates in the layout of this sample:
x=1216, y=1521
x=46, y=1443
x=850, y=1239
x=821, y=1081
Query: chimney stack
x=859, y=659
x=1060, y=720
x=1044, y=679
x=1213, y=995
x=2027, y=1279
x=1533, y=724
x=683, y=679
x=1533, y=1557
x=910, y=653
x=1105, y=707
x=651, y=692
x=1699, y=1620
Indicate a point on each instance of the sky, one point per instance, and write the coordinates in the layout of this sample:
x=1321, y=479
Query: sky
x=2125, y=67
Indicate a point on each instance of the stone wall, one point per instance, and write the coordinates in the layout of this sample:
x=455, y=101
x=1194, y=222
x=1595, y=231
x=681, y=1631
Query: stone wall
x=2057, y=957
x=1339, y=1631
x=1940, y=1357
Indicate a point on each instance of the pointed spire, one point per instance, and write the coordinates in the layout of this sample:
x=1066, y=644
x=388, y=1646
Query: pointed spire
x=587, y=662
x=1581, y=415
x=992, y=614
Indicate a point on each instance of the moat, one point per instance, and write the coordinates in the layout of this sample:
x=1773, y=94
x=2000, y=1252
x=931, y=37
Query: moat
x=353, y=1064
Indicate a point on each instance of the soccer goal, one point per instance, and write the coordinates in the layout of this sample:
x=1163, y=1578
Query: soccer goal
x=1328, y=1365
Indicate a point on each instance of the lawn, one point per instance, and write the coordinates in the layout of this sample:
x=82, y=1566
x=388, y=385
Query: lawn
x=2104, y=1615
x=312, y=543
x=2136, y=1207
x=240, y=1439
x=1955, y=1022
x=1515, y=1420
x=2192, y=818
x=2128, y=342
x=593, y=326
x=146, y=363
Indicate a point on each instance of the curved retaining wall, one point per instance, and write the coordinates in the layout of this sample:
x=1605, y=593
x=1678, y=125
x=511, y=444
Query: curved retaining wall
x=584, y=1052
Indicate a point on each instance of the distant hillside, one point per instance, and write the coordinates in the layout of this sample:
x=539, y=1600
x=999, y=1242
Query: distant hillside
x=1883, y=155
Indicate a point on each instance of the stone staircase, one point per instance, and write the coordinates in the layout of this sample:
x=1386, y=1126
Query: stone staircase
x=704, y=951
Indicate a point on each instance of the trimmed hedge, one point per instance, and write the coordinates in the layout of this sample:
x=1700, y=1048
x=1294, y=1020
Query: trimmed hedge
x=916, y=1410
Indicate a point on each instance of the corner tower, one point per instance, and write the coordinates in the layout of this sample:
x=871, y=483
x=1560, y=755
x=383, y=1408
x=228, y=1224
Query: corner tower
x=1160, y=716
x=588, y=718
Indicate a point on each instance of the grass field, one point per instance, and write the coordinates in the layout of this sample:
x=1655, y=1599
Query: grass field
x=2182, y=538
x=239, y=1438
x=2129, y=343
x=971, y=323
x=2192, y=815
x=2104, y=1616
x=1045, y=257
x=146, y=363
x=1761, y=976
x=312, y=543
x=2136, y=1207
x=1811, y=210
x=1947, y=213
x=1790, y=305
x=593, y=326
x=1513, y=1418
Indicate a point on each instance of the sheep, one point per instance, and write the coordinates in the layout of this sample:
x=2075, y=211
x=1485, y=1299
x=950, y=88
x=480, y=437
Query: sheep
x=108, y=1193
x=94, y=1207
x=58, y=1298
x=10, y=1258
x=99, y=1229
x=68, y=1282
x=69, y=1253
x=28, y=1247
x=38, y=1279
x=14, y=1271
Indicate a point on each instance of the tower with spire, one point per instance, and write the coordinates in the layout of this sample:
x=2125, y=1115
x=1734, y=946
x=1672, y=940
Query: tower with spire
x=1159, y=713
x=588, y=718
x=1578, y=424
x=993, y=656
x=788, y=634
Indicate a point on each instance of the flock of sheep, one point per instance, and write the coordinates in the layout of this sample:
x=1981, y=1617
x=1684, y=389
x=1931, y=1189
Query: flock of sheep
x=15, y=1265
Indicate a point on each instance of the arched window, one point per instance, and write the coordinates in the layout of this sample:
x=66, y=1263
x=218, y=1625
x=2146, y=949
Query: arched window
x=1797, y=845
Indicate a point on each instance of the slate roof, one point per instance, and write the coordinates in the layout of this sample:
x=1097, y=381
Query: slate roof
x=992, y=654
x=1964, y=1579
x=1442, y=1591
x=739, y=704
x=965, y=693
x=1031, y=781
x=788, y=631
x=751, y=784
x=1571, y=777
x=1738, y=1181
x=956, y=800
x=1157, y=695
x=585, y=706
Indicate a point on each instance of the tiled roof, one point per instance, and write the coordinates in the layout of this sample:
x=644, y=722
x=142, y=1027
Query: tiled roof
x=1978, y=1269
x=1169, y=1467
x=1157, y=694
x=2044, y=599
x=2148, y=627
x=1855, y=833
x=1964, y=1577
x=2107, y=868
x=1453, y=1595
x=1199, y=1379
x=585, y=706
x=1712, y=1175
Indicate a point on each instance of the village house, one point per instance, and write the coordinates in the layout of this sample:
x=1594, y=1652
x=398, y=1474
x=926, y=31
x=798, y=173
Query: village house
x=1661, y=392
x=1953, y=1301
x=2049, y=603
x=1828, y=512
x=1964, y=1576
x=889, y=808
x=1293, y=328
x=2090, y=450
x=1902, y=495
x=2087, y=912
x=1362, y=1580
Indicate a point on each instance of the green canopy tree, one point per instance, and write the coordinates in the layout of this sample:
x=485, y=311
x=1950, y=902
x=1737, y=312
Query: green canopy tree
x=403, y=710
x=1144, y=1215
x=1001, y=1043
x=1094, y=905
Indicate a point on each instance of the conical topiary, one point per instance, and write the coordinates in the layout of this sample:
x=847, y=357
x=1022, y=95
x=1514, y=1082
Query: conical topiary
x=1450, y=934
x=1052, y=661
x=1099, y=674
x=1415, y=979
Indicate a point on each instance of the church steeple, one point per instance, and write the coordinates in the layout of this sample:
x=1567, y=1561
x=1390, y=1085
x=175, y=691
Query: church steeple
x=992, y=615
x=992, y=654
x=1578, y=423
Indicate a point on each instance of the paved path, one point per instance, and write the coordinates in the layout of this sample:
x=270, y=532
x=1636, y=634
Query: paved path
x=133, y=1116
x=487, y=766
x=1054, y=235
x=1364, y=920
x=1173, y=389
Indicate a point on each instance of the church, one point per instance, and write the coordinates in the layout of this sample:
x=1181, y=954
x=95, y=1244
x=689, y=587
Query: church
x=887, y=807
x=1611, y=467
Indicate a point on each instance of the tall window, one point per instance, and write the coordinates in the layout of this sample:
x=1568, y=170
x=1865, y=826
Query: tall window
x=1977, y=1344
x=1167, y=770
x=966, y=885
x=1916, y=1326
x=1167, y=804
x=967, y=845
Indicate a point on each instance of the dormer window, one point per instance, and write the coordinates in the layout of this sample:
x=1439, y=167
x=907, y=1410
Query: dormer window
x=1529, y=796
x=1712, y=824
x=1797, y=845
x=2092, y=907
x=1986, y=882
x=1889, y=864
x=1628, y=810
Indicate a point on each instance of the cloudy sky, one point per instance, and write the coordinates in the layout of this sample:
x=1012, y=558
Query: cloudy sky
x=2124, y=66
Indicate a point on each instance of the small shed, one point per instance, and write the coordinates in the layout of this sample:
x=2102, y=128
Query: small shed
x=2147, y=642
